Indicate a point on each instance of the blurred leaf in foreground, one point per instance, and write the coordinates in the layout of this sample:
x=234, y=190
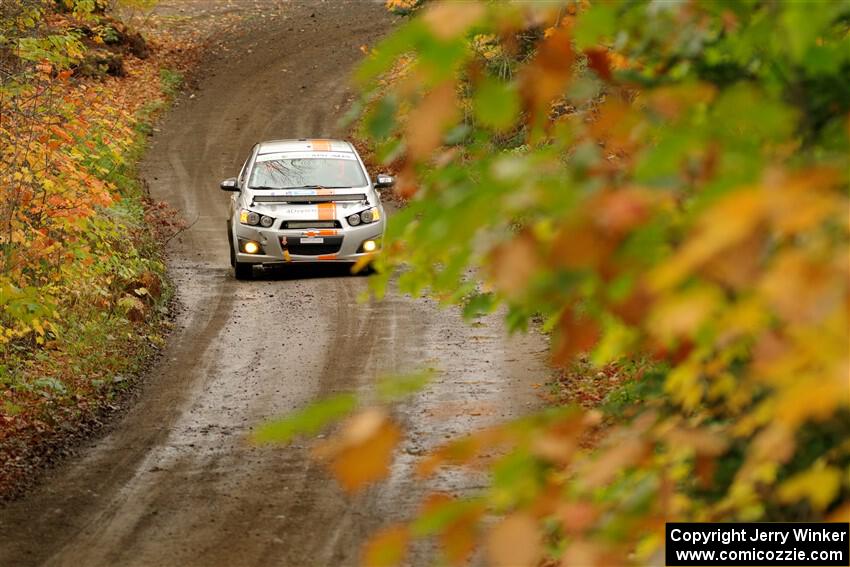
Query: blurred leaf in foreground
x=306, y=421
x=361, y=452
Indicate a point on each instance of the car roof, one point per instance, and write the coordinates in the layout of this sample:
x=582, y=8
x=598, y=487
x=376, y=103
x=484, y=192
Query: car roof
x=304, y=145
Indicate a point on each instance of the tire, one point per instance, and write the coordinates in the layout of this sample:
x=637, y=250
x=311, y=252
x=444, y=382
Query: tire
x=242, y=270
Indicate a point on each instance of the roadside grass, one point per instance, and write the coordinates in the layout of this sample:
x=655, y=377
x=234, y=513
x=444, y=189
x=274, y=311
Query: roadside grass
x=170, y=81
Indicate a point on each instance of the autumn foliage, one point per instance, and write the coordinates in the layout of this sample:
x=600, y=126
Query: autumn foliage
x=81, y=278
x=656, y=182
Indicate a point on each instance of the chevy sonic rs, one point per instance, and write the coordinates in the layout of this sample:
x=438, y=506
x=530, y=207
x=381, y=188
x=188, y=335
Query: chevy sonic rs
x=303, y=201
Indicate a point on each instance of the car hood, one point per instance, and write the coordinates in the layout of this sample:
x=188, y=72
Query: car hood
x=329, y=203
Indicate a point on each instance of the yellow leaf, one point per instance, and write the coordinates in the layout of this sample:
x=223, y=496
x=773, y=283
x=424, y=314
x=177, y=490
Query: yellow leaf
x=802, y=288
x=818, y=485
x=814, y=396
x=683, y=383
x=728, y=222
x=681, y=315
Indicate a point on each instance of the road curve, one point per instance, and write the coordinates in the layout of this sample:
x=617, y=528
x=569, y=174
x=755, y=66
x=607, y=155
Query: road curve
x=175, y=482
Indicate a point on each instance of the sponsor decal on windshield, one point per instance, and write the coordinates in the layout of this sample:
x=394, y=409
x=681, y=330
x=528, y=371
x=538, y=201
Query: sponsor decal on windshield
x=306, y=155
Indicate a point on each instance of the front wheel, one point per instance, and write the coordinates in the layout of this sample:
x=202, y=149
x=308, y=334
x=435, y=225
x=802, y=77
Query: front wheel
x=242, y=270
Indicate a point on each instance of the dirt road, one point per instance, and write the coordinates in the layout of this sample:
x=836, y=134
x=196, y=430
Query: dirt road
x=175, y=482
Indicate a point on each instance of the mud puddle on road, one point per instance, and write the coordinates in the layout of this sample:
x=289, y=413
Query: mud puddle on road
x=175, y=482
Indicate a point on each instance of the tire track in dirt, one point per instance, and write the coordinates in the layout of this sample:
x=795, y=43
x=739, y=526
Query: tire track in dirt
x=175, y=482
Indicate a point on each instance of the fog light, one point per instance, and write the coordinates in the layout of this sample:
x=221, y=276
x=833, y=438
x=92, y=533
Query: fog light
x=252, y=247
x=370, y=246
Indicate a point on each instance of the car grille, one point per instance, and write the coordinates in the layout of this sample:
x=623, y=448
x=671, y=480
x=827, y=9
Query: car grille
x=300, y=224
x=331, y=245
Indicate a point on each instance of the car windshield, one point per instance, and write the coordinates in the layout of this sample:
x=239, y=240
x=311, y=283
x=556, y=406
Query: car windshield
x=307, y=172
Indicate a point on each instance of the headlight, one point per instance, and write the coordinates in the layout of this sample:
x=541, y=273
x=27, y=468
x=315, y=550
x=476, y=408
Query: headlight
x=365, y=217
x=253, y=219
x=249, y=217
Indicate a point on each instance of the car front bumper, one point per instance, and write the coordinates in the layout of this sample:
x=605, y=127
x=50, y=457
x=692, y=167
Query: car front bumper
x=311, y=245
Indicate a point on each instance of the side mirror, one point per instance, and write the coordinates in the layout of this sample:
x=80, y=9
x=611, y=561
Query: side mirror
x=383, y=181
x=230, y=184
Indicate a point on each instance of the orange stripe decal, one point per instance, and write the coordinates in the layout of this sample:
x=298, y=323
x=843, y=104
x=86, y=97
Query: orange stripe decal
x=320, y=145
x=327, y=233
x=327, y=211
x=327, y=257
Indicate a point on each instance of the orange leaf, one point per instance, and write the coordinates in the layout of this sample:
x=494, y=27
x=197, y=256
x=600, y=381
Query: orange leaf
x=621, y=210
x=362, y=452
x=514, y=542
x=429, y=119
x=576, y=517
x=513, y=264
x=580, y=244
x=597, y=59
x=616, y=124
x=448, y=20
x=462, y=451
x=547, y=76
x=458, y=540
x=576, y=334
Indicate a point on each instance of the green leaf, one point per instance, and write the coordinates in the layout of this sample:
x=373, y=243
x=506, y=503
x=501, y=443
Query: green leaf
x=479, y=304
x=595, y=24
x=308, y=420
x=803, y=25
x=437, y=519
x=496, y=104
x=381, y=119
x=394, y=388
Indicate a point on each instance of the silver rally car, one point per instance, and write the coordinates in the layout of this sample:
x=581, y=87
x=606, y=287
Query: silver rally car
x=303, y=201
